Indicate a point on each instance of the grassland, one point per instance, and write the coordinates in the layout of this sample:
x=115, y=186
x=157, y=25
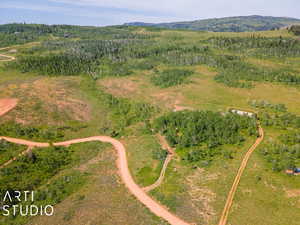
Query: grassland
x=83, y=105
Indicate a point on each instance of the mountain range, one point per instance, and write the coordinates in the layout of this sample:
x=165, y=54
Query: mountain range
x=227, y=24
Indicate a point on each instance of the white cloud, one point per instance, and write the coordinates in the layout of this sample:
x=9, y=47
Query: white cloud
x=18, y=5
x=189, y=9
x=101, y=16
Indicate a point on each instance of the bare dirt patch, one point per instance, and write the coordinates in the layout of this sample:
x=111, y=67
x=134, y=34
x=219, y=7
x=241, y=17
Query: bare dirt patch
x=139, y=88
x=84, y=167
x=292, y=193
x=122, y=87
x=56, y=93
x=202, y=197
x=178, y=107
x=171, y=99
x=7, y=104
x=13, y=51
x=51, y=100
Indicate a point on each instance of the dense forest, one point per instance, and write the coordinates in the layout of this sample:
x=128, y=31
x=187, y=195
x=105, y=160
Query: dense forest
x=201, y=133
x=190, y=128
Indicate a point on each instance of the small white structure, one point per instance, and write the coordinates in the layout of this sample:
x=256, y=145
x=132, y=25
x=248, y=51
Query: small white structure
x=243, y=113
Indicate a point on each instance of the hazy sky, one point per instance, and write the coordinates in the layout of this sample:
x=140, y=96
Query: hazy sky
x=111, y=12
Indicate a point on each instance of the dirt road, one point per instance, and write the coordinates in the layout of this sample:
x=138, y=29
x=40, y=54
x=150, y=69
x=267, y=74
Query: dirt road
x=122, y=164
x=170, y=155
x=224, y=216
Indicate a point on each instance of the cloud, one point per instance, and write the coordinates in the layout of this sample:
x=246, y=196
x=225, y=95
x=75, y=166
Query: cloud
x=18, y=5
x=198, y=8
x=101, y=15
x=134, y=5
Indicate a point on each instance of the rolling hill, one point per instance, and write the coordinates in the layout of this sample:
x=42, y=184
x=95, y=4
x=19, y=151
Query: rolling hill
x=227, y=24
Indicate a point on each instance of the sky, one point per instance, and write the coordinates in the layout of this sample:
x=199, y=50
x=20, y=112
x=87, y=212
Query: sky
x=113, y=12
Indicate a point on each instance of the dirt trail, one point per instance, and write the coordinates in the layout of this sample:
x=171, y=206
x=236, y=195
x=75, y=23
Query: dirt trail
x=170, y=155
x=122, y=164
x=9, y=58
x=15, y=158
x=230, y=197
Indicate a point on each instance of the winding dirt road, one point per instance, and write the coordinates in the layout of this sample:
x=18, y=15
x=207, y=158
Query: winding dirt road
x=11, y=58
x=225, y=213
x=122, y=164
x=170, y=155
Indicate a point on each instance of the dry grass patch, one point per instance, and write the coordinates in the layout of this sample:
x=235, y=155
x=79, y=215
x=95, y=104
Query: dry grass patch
x=140, y=88
x=47, y=100
x=121, y=87
x=201, y=196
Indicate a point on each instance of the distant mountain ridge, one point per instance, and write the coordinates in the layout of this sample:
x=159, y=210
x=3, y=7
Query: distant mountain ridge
x=227, y=24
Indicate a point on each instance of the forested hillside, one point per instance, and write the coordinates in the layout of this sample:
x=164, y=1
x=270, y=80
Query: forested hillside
x=228, y=24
